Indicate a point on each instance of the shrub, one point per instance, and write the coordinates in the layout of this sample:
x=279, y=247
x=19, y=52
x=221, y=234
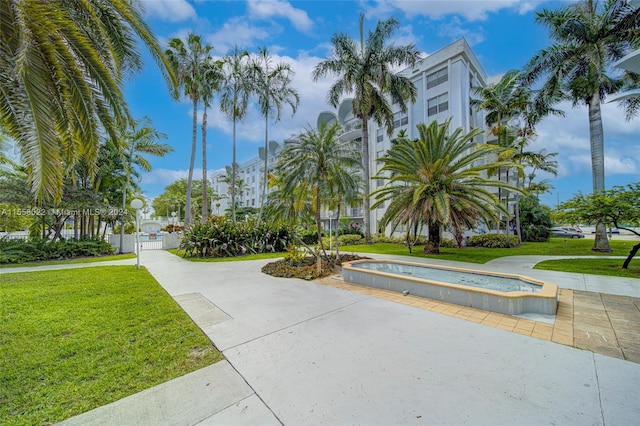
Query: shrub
x=350, y=239
x=20, y=251
x=221, y=237
x=173, y=228
x=492, y=241
x=309, y=237
x=448, y=243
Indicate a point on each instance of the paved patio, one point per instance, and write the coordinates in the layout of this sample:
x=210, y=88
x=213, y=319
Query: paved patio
x=308, y=353
x=602, y=323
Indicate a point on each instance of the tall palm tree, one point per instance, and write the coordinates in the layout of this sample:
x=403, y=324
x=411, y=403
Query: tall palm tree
x=588, y=37
x=234, y=99
x=140, y=140
x=438, y=180
x=364, y=71
x=210, y=82
x=61, y=76
x=314, y=162
x=273, y=87
x=191, y=63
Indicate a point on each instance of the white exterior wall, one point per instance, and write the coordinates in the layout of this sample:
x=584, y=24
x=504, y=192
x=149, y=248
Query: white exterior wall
x=252, y=173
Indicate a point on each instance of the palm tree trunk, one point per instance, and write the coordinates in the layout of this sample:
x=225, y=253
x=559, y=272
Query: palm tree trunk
x=596, y=136
x=337, y=228
x=319, y=231
x=365, y=169
x=194, y=129
x=124, y=208
x=205, y=201
x=266, y=156
x=233, y=173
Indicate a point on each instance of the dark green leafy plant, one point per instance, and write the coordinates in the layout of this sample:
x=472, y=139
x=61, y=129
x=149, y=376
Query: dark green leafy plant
x=20, y=251
x=492, y=241
x=221, y=237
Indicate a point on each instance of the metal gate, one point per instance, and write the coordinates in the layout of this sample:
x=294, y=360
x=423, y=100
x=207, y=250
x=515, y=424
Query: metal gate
x=151, y=241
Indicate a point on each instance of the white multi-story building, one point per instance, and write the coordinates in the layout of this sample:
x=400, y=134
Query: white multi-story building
x=249, y=178
x=444, y=82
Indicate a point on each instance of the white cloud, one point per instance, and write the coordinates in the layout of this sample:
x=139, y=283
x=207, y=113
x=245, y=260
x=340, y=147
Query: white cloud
x=260, y=9
x=165, y=176
x=454, y=30
x=569, y=136
x=472, y=10
x=237, y=32
x=169, y=10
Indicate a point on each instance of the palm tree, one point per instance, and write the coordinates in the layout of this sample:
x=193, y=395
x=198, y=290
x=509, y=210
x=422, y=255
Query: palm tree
x=273, y=87
x=61, y=77
x=503, y=101
x=364, y=70
x=438, y=180
x=587, y=38
x=191, y=64
x=140, y=140
x=210, y=82
x=235, y=90
x=315, y=162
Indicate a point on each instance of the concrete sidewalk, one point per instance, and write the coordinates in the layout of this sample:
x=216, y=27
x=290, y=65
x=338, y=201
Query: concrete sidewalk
x=303, y=353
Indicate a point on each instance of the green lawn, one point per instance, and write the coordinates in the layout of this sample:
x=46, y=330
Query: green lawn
x=227, y=259
x=76, y=339
x=611, y=267
x=553, y=247
x=76, y=260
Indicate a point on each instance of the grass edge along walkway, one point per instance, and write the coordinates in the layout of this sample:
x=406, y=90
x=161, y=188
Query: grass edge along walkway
x=76, y=339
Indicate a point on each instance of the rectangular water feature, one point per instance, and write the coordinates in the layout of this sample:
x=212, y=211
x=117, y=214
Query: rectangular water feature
x=491, y=291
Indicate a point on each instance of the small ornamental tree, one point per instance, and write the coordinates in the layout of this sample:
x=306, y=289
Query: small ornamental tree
x=535, y=220
x=619, y=206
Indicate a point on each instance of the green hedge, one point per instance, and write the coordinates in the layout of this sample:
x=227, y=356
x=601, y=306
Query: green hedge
x=221, y=237
x=492, y=241
x=20, y=251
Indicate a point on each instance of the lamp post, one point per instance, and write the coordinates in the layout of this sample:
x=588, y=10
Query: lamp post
x=330, y=213
x=136, y=204
x=173, y=214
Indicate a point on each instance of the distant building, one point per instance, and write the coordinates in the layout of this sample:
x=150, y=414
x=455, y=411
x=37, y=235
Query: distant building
x=249, y=177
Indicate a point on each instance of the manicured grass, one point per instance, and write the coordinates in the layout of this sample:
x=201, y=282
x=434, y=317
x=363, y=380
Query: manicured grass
x=76, y=339
x=76, y=260
x=611, y=267
x=227, y=259
x=553, y=247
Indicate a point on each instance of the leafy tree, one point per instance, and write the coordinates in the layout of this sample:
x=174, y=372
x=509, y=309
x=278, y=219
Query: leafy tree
x=619, y=206
x=174, y=198
x=437, y=180
x=588, y=36
x=235, y=90
x=193, y=66
x=535, y=220
x=140, y=140
x=62, y=64
x=364, y=70
x=273, y=87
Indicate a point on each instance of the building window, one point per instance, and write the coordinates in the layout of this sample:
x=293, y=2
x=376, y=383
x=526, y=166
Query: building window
x=379, y=183
x=438, y=104
x=379, y=154
x=399, y=120
x=437, y=78
x=379, y=135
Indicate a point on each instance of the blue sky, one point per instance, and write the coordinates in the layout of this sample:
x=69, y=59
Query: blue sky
x=502, y=33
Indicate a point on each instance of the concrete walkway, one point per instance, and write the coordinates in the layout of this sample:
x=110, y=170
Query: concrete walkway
x=304, y=353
